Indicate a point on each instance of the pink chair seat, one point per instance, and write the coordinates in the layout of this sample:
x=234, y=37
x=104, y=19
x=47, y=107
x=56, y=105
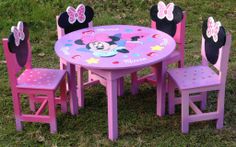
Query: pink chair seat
x=40, y=78
x=194, y=77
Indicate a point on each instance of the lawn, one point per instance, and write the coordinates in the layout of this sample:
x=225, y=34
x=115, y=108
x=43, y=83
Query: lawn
x=138, y=125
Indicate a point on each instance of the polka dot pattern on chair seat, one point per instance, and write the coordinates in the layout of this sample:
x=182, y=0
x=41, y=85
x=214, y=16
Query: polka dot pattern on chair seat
x=193, y=77
x=39, y=78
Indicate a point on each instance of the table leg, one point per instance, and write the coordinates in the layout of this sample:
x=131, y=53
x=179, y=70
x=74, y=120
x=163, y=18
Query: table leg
x=80, y=87
x=72, y=88
x=112, y=109
x=160, y=73
x=120, y=87
x=134, y=83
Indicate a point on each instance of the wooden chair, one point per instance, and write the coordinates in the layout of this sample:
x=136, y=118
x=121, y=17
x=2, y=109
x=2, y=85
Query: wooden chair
x=176, y=57
x=65, y=27
x=40, y=84
x=202, y=78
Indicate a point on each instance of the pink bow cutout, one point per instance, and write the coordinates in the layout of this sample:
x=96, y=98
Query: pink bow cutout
x=18, y=32
x=76, y=14
x=213, y=29
x=165, y=10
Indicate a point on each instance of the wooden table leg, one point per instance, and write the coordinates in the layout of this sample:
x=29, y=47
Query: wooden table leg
x=80, y=87
x=134, y=83
x=112, y=109
x=120, y=87
x=72, y=88
x=160, y=73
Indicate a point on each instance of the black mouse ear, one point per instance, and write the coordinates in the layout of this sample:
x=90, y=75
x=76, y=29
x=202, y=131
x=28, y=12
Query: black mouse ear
x=26, y=31
x=222, y=36
x=11, y=43
x=89, y=13
x=204, y=28
x=153, y=13
x=178, y=14
x=63, y=20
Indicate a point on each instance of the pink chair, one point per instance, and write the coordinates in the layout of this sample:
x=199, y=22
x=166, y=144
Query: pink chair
x=65, y=27
x=174, y=28
x=200, y=79
x=39, y=84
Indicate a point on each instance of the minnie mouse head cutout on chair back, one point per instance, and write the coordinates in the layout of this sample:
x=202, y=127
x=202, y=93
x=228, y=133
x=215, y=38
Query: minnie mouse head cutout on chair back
x=215, y=37
x=166, y=17
x=75, y=18
x=18, y=42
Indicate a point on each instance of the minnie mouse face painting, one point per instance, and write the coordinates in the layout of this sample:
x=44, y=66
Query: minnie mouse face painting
x=18, y=42
x=75, y=18
x=166, y=17
x=107, y=46
x=215, y=37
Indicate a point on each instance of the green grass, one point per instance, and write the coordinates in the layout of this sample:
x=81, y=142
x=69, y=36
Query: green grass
x=138, y=124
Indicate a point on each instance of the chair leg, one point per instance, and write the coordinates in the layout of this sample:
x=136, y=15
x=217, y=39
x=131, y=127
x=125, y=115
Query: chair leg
x=52, y=113
x=204, y=100
x=185, y=112
x=171, y=96
x=17, y=111
x=31, y=102
x=120, y=86
x=220, y=109
x=62, y=65
x=63, y=96
x=90, y=79
x=134, y=83
x=181, y=64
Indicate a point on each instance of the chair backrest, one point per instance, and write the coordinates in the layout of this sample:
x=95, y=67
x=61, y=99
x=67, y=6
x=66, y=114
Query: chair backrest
x=216, y=44
x=180, y=29
x=175, y=27
x=74, y=19
x=61, y=31
x=17, y=51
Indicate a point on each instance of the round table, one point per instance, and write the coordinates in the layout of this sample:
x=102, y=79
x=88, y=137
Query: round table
x=112, y=52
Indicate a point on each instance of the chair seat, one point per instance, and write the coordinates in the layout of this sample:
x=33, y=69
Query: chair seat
x=194, y=77
x=40, y=78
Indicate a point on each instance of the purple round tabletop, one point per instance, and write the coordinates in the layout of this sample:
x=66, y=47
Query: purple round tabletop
x=115, y=47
